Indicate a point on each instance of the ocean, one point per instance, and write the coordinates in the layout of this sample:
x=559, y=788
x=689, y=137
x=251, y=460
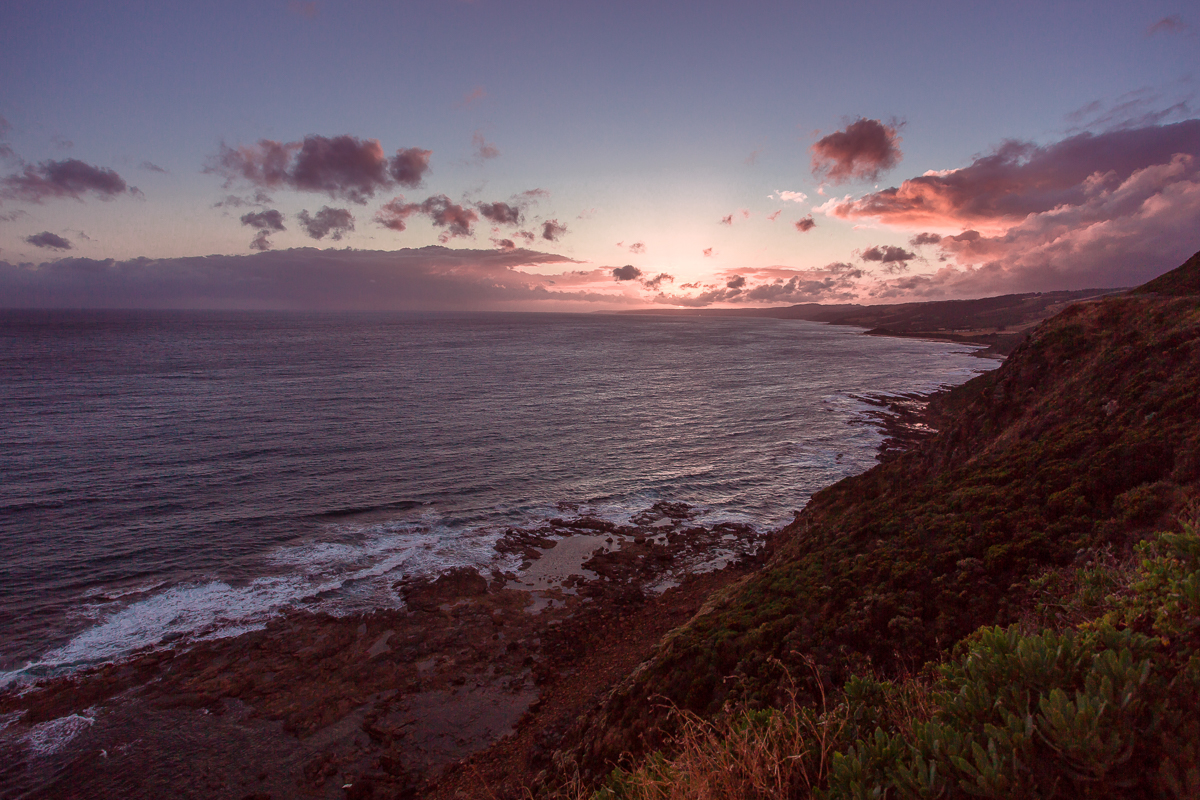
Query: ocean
x=167, y=476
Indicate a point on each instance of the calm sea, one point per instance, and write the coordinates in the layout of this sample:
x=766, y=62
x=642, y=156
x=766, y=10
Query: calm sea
x=167, y=475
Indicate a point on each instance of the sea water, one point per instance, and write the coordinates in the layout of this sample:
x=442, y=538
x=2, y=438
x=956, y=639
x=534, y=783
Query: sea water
x=172, y=475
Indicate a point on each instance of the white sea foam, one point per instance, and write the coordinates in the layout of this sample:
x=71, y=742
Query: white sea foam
x=47, y=738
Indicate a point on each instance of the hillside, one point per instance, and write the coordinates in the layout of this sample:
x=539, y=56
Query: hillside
x=999, y=322
x=1078, y=447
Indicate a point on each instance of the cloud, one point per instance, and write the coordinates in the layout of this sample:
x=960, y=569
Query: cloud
x=48, y=240
x=1171, y=24
x=501, y=213
x=1092, y=211
x=636, y=247
x=331, y=222
x=446, y=214
x=1020, y=178
x=864, y=149
x=774, y=215
x=806, y=224
x=727, y=220
x=708, y=252
x=505, y=244
x=788, y=197
x=887, y=254
x=752, y=159
x=408, y=166
x=151, y=167
x=270, y=220
x=266, y=222
x=68, y=178
x=429, y=278
x=1139, y=108
x=483, y=149
x=553, y=230
x=5, y=126
x=657, y=281
x=626, y=273
x=342, y=167
x=836, y=282
x=394, y=213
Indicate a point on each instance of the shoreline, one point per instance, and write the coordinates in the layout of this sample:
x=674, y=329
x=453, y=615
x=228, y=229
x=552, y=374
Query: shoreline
x=383, y=699
x=475, y=678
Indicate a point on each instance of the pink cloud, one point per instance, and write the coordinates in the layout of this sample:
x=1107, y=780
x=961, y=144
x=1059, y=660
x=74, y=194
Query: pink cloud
x=1020, y=178
x=408, y=166
x=806, y=224
x=727, y=220
x=68, y=178
x=836, y=282
x=553, y=230
x=445, y=214
x=394, y=213
x=864, y=149
x=774, y=215
x=708, y=252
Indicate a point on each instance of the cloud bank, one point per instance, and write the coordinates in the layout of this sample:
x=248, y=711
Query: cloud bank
x=429, y=278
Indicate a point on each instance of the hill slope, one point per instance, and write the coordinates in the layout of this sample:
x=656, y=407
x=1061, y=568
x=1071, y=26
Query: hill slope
x=1082, y=442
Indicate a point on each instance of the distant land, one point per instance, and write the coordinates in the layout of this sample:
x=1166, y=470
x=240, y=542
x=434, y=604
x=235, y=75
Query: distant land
x=999, y=322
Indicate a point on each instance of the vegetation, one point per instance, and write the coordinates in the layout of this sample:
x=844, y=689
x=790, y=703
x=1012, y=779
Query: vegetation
x=992, y=611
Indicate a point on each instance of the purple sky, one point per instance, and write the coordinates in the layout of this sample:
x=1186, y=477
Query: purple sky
x=568, y=156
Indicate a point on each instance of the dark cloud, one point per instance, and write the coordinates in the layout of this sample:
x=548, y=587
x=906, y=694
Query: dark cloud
x=727, y=220
x=657, y=281
x=864, y=149
x=429, y=278
x=887, y=254
x=1171, y=24
x=261, y=241
x=924, y=238
x=736, y=282
x=505, y=244
x=48, y=240
x=332, y=222
x=342, y=167
x=151, y=167
x=483, y=149
x=445, y=214
x=637, y=247
x=528, y=236
x=805, y=225
x=626, y=273
x=408, y=167
x=501, y=213
x=553, y=230
x=270, y=220
x=68, y=178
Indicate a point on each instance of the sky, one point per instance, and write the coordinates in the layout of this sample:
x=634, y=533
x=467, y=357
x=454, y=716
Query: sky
x=559, y=156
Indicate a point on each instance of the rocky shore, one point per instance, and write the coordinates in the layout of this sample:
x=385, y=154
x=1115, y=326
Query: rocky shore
x=385, y=704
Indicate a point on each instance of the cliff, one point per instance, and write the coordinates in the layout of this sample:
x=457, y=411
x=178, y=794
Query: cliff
x=1076, y=449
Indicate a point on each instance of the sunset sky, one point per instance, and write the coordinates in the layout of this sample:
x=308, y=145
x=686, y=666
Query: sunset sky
x=587, y=156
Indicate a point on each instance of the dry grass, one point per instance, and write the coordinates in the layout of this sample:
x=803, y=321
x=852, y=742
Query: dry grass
x=746, y=755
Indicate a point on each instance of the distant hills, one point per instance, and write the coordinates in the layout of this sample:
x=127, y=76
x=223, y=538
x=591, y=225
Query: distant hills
x=999, y=322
